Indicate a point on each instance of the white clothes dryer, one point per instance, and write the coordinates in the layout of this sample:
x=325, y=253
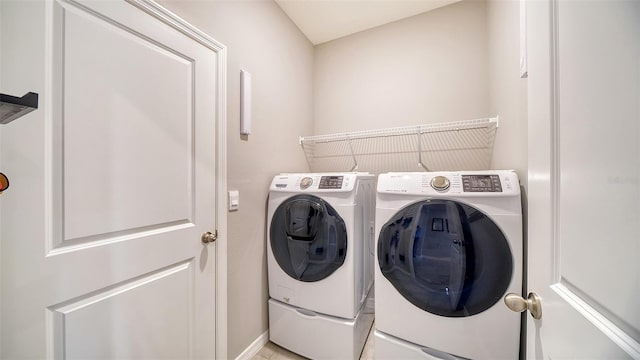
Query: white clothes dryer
x=449, y=248
x=320, y=258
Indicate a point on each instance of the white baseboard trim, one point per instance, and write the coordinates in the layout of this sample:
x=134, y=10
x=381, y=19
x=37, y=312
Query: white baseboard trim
x=255, y=346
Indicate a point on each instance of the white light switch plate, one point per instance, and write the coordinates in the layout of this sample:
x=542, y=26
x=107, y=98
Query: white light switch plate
x=234, y=200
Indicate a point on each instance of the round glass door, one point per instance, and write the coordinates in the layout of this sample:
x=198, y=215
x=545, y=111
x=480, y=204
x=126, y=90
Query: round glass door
x=308, y=238
x=445, y=257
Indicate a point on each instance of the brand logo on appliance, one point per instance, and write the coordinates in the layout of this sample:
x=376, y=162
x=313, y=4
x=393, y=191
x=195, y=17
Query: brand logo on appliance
x=280, y=186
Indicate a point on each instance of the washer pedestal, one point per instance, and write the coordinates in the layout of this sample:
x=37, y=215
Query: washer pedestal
x=318, y=336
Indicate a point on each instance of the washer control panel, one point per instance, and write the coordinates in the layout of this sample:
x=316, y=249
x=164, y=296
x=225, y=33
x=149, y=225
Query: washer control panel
x=467, y=183
x=331, y=182
x=481, y=183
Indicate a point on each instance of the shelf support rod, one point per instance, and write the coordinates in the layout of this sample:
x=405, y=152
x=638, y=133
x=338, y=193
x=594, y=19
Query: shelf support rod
x=420, y=163
x=353, y=155
x=306, y=154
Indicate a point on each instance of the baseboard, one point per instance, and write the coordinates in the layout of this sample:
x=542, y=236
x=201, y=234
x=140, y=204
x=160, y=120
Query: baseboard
x=255, y=346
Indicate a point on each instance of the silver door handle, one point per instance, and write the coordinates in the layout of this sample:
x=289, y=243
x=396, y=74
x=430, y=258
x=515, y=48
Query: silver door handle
x=209, y=237
x=517, y=303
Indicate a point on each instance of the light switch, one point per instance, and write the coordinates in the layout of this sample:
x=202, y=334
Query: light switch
x=234, y=200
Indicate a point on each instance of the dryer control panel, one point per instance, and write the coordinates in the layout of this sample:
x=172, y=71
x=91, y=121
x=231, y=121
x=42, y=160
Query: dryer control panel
x=468, y=183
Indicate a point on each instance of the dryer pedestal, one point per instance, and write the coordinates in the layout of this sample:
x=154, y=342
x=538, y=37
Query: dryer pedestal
x=391, y=348
x=318, y=336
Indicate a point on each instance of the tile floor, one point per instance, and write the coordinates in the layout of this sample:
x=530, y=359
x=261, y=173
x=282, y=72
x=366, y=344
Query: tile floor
x=272, y=351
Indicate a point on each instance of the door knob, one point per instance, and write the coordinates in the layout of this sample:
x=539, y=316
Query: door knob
x=209, y=237
x=532, y=303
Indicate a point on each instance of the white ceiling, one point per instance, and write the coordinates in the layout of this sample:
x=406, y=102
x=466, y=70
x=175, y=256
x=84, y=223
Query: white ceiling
x=325, y=20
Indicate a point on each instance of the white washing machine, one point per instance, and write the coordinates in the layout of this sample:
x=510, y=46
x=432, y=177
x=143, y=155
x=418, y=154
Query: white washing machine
x=449, y=248
x=320, y=256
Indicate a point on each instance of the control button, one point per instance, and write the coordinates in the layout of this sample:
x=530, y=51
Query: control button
x=440, y=183
x=305, y=182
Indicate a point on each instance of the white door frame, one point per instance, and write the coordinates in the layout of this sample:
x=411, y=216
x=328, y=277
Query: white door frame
x=161, y=13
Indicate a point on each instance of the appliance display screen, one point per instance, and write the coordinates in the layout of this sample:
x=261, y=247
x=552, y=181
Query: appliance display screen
x=481, y=183
x=330, y=182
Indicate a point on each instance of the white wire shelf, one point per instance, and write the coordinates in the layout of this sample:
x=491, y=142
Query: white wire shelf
x=450, y=146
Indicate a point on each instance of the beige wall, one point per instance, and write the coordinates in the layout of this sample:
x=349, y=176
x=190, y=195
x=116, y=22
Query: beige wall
x=508, y=92
x=261, y=39
x=425, y=69
x=458, y=62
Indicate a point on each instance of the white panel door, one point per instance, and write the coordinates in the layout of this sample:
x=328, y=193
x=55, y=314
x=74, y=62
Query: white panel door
x=113, y=181
x=584, y=179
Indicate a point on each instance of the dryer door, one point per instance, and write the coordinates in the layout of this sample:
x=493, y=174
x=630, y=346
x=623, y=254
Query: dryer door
x=308, y=238
x=445, y=257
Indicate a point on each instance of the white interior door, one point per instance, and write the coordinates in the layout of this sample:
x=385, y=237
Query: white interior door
x=113, y=180
x=584, y=179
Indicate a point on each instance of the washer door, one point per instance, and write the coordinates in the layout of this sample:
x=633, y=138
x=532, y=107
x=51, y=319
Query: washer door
x=308, y=238
x=445, y=257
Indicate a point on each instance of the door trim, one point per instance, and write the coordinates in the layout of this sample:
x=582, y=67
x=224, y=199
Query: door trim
x=181, y=25
x=161, y=13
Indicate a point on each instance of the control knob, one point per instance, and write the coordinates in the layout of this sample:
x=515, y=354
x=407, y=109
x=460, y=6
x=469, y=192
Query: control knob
x=440, y=183
x=305, y=182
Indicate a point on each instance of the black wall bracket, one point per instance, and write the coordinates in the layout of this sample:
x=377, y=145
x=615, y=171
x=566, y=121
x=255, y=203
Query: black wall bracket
x=12, y=107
